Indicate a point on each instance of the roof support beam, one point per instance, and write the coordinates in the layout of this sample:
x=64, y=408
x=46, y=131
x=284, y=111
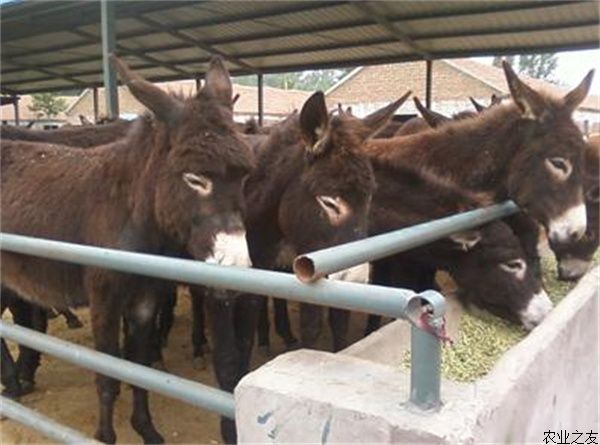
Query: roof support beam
x=111, y=93
x=391, y=28
x=194, y=42
x=126, y=51
x=52, y=73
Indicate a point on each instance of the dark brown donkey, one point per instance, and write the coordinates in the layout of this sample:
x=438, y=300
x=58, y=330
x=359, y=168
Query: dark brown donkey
x=172, y=186
x=574, y=259
x=487, y=263
x=83, y=136
x=529, y=151
x=311, y=189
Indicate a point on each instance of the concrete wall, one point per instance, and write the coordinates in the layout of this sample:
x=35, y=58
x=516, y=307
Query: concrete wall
x=549, y=381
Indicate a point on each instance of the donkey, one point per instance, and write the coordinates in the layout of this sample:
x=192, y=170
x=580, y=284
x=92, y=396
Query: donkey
x=172, y=186
x=529, y=151
x=487, y=263
x=82, y=136
x=311, y=189
x=574, y=259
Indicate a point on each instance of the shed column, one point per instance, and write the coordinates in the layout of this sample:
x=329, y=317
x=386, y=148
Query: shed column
x=16, y=106
x=261, y=110
x=198, y=81
x=95, y=100
x=108, y=46
x=428, y=76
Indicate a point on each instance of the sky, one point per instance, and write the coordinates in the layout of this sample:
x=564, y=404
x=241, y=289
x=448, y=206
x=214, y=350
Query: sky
x=573, y=66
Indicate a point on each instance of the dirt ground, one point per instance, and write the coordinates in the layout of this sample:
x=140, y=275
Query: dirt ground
x=67, y=393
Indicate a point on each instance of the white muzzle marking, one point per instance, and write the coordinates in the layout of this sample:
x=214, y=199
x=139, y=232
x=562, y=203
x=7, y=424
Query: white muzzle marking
x=572, y=222
x=356, y=274
x=571, y=267
x=230, y=249
x=537, y=309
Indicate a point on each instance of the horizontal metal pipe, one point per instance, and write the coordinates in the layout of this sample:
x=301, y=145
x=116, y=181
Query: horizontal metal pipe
x=373, y=299
x=312, y=266
x=41, y=423
x=188, y=391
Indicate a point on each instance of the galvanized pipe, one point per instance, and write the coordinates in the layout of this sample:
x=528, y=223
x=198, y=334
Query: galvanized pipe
x=425, y=369
x=312, y=266
x=373, y=299
x=193, y=393
x=41, y=423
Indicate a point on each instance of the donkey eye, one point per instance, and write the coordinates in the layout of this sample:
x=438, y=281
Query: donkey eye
x=593, y=194
x=561, y=168
x=336, y=209
x=514, y=266
x=199, y=183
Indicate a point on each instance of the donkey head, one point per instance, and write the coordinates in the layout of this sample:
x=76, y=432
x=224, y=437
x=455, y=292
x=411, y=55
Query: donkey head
x=196, y=167
x=493, y=274
x=329, y=202
x=574, y=259
x=546, y=178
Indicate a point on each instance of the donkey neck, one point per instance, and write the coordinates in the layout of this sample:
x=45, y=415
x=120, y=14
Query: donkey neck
x=473, y=153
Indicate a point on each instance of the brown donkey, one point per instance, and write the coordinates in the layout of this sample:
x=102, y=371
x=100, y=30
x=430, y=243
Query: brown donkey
x=311, y=189
x=83, y=136
x=172, y=186
x=529, y=151
x=574, y=259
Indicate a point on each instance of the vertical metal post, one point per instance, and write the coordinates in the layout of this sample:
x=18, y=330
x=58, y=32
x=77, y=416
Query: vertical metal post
x=95, y=100
x=108, y=46
x=425, y=369
x=261, y=107
x=428, y=78
x=16, y=106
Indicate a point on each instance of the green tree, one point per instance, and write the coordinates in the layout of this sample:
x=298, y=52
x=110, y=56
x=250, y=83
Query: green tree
x=304, y=80
x=540, y=66
x=47, y=104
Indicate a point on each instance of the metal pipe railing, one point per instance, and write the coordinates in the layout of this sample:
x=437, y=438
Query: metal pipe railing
x=373, y=299
x=41, y=423
x=193, y=393
x=312, y=266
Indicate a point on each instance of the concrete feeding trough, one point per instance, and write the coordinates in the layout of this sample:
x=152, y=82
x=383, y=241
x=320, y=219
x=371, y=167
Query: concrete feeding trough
x=546, y=382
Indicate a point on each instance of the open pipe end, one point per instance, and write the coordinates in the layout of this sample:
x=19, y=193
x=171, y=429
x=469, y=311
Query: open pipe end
x=304, y=268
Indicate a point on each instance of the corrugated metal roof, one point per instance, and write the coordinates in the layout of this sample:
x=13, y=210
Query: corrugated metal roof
x=56, y=45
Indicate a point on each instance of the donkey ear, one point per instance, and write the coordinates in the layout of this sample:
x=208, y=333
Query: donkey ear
x=379, y=118
x=314, y=120
x=477, y=105
x=164, y=106
x=218, y=81
x=431, y=117
x=530, y=102
x=576, y=96
x=466, y=240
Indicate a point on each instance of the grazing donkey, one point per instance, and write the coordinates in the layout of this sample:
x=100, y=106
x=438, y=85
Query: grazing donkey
x=172, y=186
x=82, y=136
x=488, y=263
x=529, y=151
x=574, y=259
x=311, y=189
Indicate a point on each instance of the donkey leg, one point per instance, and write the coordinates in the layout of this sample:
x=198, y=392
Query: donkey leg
x=310, y=324
x=73, y=322
x=339, y=322
x=166, y=315
x=282, y=323
x=226, y=362
x=199, y=341
x=373, y=323
x=140, y=341
x=247, y=310
x=30, y=359
x=9, y=375
x=105, y=315
x=263, y=327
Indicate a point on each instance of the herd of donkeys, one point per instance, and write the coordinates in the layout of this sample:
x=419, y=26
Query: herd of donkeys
x=185, y=180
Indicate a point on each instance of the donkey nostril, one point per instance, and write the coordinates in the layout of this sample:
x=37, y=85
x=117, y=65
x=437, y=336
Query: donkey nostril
x=575, y=234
